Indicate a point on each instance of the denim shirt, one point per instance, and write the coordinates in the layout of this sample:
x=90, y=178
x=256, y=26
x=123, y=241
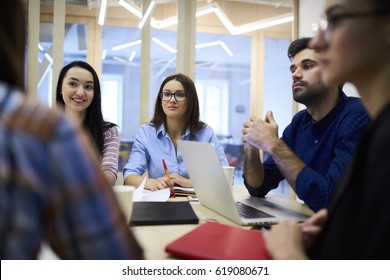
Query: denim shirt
x=325, y=147
x=152, y=145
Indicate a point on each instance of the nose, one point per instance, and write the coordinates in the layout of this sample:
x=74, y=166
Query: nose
x=173, y=99
x=297, y=74
x=80, y=90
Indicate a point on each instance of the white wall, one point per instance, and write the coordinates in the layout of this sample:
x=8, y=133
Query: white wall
x=310, y=12
x=277, y=82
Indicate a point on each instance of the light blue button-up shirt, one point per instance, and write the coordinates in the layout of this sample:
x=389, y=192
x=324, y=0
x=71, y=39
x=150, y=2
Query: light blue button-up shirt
x=152, y=145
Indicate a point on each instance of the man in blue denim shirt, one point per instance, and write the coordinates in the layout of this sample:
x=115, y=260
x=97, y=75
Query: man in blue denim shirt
x=318, y=143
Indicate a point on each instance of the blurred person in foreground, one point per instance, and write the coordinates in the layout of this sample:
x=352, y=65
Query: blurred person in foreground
x=353, y=41
x=318, y=143
x=51, y=185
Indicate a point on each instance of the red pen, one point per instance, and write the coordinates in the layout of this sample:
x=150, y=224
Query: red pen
x=167, y=173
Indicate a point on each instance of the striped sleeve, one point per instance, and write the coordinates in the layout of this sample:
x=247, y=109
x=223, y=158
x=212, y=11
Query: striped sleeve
x=110, y=154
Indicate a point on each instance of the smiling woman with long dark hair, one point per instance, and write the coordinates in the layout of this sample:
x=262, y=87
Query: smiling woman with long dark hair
x=78, y=93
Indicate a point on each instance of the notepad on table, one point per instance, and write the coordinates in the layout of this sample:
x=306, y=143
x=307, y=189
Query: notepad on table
x=180, y=191
x=214, y=241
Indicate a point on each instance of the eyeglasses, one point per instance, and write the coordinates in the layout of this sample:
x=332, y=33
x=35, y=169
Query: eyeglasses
x=179, y=96
x=329, y=22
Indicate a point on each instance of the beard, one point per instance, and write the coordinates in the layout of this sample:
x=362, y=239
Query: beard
x=310, y=93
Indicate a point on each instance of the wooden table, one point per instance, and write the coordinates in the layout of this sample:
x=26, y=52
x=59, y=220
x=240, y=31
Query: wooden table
x=153, y=239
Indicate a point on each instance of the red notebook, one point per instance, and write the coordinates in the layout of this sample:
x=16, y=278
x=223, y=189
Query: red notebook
x=214, y=241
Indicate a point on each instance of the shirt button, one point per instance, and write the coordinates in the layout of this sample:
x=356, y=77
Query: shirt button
x=315, y=141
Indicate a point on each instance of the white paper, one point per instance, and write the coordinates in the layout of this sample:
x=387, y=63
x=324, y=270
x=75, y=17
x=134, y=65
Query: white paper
x=140, y=194
x=160, y=195
x=137, y=195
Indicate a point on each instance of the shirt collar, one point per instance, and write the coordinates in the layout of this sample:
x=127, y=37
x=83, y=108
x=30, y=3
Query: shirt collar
x=161, y=131
x=323, y=123
x=334, y=112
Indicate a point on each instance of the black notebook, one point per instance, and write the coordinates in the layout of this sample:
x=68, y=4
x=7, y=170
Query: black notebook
x=162, y=213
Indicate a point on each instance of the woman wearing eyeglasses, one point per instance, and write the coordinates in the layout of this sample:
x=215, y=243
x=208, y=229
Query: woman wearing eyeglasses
x=176, y=117
x=354, y=45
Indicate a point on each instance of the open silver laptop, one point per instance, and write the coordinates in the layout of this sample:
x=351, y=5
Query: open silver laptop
x=214, y=192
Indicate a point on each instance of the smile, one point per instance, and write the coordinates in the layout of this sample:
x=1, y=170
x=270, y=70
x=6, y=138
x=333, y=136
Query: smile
x=78, y=100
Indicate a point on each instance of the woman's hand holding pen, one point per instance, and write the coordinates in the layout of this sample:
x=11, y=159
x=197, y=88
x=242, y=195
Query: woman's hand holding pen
x=159, y=183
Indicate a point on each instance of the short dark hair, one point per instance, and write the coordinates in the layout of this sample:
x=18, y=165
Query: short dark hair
x=12, y=43
x=192, y=113
x=93, y=121
x=298, y=46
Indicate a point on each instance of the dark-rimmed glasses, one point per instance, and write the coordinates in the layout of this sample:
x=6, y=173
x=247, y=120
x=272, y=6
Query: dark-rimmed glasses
x=329, y=22
x=179, y=96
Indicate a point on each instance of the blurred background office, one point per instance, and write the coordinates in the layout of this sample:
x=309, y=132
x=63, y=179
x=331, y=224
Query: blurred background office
x=234, y=50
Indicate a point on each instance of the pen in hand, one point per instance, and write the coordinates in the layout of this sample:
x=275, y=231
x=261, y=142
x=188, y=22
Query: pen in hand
x=167, y=173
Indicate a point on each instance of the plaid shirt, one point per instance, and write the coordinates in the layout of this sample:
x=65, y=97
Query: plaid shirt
x=52, y=188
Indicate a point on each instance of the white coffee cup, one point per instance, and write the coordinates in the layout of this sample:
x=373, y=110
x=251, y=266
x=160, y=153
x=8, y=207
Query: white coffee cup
x=124, y=196
x=229, y=173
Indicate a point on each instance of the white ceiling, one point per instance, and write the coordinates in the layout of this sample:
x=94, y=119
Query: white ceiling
x=96, y=3
x=76, y=40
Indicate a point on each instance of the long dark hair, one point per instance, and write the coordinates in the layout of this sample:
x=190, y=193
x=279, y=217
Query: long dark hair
x=93, y=121
x=12, y=43
x=192, y=114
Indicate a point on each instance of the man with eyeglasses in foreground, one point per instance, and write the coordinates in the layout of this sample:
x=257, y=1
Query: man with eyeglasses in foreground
x=356, y=50
x=318, y=143
x=176, y=117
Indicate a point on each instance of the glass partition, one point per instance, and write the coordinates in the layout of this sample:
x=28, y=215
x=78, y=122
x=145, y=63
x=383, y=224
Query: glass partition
x=121, y=48
x=75, y=48
x=222, y=76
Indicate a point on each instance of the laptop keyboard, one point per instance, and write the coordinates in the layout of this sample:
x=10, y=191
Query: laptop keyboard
x=249, y=212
